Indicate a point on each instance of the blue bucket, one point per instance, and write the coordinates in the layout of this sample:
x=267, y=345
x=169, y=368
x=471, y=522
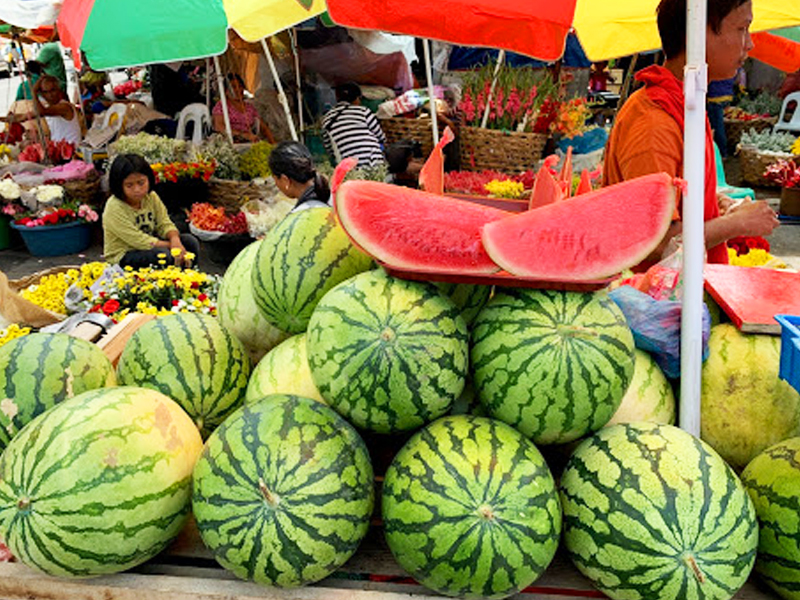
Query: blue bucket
x=790, y=349
x=56, y=240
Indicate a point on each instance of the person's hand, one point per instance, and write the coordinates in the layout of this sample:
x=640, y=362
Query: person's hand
x=754, y=218
x=725, y=203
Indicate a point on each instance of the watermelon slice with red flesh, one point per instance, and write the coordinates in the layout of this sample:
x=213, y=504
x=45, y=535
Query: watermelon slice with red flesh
x=545, y=189
x=431, y=176
x=585, y=186
x=591, y=237
x=415, y=230
x=566, y=174
x=341, y=171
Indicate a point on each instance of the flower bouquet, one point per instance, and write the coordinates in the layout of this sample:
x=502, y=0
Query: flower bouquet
x=786, y=173
x=174, y=171
x=56, y=230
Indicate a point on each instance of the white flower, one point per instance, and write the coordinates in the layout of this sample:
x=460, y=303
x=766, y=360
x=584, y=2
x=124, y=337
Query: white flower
x=9, y=189
x=47, y=194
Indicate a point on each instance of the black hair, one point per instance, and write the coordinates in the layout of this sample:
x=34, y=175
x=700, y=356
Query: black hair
x=128, y=164
x=400, y=153
x=236, y=77
x=294, y=160
x=34, y=67
x=672, y=22
x=348, y=92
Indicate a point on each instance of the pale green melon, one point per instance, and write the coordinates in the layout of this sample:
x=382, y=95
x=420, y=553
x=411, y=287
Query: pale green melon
x=284, y=370
x=649, y=397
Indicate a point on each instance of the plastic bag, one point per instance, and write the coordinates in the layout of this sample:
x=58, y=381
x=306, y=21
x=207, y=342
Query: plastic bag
x=261, y=216
x=656, y=326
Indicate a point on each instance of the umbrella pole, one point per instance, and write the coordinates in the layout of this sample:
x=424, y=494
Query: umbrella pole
x=208, y=84
x=695, y=80
x=281, y=96
x=300, y=124
x=501, y=56
x=426, y=47
x=223, y=99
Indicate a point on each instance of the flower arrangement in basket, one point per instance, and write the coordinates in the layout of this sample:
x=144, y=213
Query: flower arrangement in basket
x=58, y=152
x=489, y=183
x=785, y=173
x=69, y=212
x=215, y=219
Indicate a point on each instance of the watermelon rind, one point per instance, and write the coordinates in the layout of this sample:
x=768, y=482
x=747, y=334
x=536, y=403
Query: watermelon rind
x=389, y=355
x=40, y=370
x=283, y=491
x=470, y=508
x=99, y=483
x=553, y=364
x=470, y=299
x=773, y=481
x=652, y=512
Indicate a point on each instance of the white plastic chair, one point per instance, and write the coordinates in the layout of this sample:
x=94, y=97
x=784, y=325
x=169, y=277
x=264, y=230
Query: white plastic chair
x=794, y=123
x=198, y=114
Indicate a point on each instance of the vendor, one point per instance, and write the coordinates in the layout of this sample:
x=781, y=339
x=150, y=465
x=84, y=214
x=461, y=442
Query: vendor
x=137, y=230
x=61, y=116
x=246, y=125
x=647, y=136
x=350, y=130
x=296, y=177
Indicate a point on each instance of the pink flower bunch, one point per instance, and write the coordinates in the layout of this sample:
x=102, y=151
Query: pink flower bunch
x=59, y=216
x=785, y=173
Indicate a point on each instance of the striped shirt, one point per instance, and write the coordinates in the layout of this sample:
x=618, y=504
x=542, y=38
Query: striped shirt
x=354, y=131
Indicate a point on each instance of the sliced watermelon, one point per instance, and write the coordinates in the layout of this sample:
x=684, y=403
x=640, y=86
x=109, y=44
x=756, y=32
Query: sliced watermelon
x=341, y=171
x=585, y=186
x=415, y=230
x=565, y=177
x=431, y=176
x=545, y=189
x=590, y=237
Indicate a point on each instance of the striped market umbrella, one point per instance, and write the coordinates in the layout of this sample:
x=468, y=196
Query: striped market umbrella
x=779, y=48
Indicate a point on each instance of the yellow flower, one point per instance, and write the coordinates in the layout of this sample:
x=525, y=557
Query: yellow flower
x=162, y=255
x=176, y=252
x=162, y=262
x=189, y=256
x=12, y=332
x=505, y=189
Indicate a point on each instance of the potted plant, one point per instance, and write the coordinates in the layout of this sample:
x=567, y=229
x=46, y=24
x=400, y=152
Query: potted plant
x=56, y=230
x=786, y=173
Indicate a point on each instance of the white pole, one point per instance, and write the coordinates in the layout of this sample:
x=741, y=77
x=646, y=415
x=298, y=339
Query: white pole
x=281, y=96
x=208, y=83
x=501, y=56
x=223, y=99
x=298, y=79
x=694, y=149
x=426, y=48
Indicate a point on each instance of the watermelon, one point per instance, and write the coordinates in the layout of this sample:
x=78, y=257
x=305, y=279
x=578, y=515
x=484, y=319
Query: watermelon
x=773, y=481
x=565, y=176
x=389, y=355
x=39, y=370
x=300, y=259
x=192, y=359
x=283, y=491
x=431, y=176
x=470, y=508
x=555, y=365
x=585, y=183
x=99, y=483
x=593, y=236
x=545, y=189
x=237, y=310
x=649, y=397
x=470, y=299
x=284, y=370
x=745, y=406
x=652, y=512
x=416, y=230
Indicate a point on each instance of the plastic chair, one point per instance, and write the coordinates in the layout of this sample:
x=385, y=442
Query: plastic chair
x=792, y=124
x=198, y=114
x=723, y=187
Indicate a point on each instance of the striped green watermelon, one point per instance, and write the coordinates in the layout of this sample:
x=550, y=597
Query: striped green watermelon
x=283, y=491
x=389, y=355
x=650, y=512
x=555, y=365
x=470, y=508
x=237, y=309
x=99, y=483
x=41, y=369
x=470, y=299
x=773, y=481
x=649, y=397
x=745, y=406
x=300, y=259
x=192, y=359
x=284, y=370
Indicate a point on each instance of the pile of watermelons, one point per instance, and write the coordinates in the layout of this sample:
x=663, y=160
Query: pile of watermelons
x=100, y=467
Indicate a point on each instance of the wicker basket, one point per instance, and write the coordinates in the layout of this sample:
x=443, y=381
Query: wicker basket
x=232, y=194
x=754, y=163
x=34, y=278
x=734, y=129
x=86, y=190
x=506, y=151
x=402, y=128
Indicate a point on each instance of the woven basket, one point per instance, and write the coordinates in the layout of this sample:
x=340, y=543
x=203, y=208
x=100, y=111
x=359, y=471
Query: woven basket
x=233, y=194
x=754, y=163
x=734, y=129
x=86, y=190
x=402, y=128
x=20, y=284
x=505, y=151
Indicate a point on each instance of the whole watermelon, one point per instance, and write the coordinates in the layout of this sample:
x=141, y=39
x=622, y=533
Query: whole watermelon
x=649, y=397
x=283, y=491
x=745, y=406
x=651, y=512
x=389, y=355
x=237, y=309
x=39, y=370
x=300, y=259
x=192, y=359
x=553, y=364
x=470, y=508
x=284, y=370
x=773, y=481
x=99, y=483
x=470, y=299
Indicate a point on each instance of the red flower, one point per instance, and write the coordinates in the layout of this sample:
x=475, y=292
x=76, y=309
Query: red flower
x=110, y=307
x=195, y=285
x=202, y=297
x=174, y=303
